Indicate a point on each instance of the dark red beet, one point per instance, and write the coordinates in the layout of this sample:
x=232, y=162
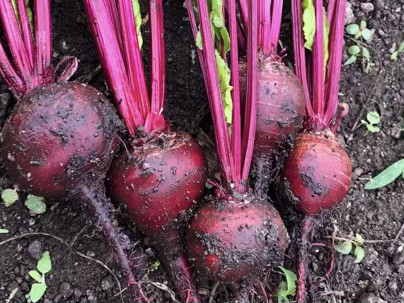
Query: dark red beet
x=317, y=172
x=281, y=105
x=232, y=240
x=158, y=182
x=59, y=136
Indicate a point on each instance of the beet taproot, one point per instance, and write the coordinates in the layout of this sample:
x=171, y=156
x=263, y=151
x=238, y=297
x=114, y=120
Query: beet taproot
x=158, y=182
x=232, y=240
x=59, y=136
x=317, y=173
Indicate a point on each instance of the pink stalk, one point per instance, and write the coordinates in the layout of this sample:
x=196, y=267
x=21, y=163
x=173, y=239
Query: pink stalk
x=244, y=11
x=318, y=63
x=265, y=25
x=252, y=85
x=15, y=41
x=26, y=31
x=300, y=53
x=334, y=63
x=158, y=63
x=9, y=74
x=276, y=23
x=43, y=40
x=112, y=63
x=132, y=56
x=236, y=134
x=215, y=97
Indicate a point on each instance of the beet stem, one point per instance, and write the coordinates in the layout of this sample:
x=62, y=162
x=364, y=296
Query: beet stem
x=118, y=240
x=26, y=31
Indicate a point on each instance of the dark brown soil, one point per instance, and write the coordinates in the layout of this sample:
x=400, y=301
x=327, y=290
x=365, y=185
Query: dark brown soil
x=376, y=215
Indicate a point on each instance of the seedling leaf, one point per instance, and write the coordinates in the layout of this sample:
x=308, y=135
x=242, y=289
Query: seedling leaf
x=4, y=231
x=344, y=247
x=387, y=176
x=398, y=52
x=309, y=23
x=290, y=288
x=36, y=204
x=363, y=25
x=9, y=196
x=359, y=253
x=45, y=264
x=34, y=274
x=359, y=240
x=37, y=292
x=367, y=34
x=351, y=60
x=352, y=29
x=373, y=117
x=366, y=53
x=354, y=50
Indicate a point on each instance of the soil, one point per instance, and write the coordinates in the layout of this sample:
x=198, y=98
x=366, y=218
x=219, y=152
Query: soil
x=376, y=215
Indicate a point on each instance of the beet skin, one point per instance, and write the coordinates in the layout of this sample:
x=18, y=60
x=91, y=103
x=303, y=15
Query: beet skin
x=317, y=173
x=158, y=181
x=59, y=136
x=233, y=240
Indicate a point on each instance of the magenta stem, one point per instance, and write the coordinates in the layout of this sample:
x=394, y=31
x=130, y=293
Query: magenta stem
x=276, y=23
x=301, y=295
x=243, y=4
x=333, y=76
x=265, y=25
x=43, y=38
x=318, y=63
x=158, y=63
x=215, y=97
x=236, y=134
x=112, y=62
x=252, y=85
x=300, y=53
x=9, y=74
x=26, y=31
x=132, y=56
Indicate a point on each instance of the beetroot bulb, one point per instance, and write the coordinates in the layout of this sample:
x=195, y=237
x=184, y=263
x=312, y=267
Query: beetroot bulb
x=235, y=237
x=61, y=136
x=281, y=100
x=160, y=174
x=317, y=173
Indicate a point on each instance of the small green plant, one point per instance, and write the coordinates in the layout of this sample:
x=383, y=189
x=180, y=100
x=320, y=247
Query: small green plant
x=398, y=52
x=286, y=288
x=360, y=34
x=38, y=289
x=9, y=196
x=372, y=121
x=354, y=246
x=4, y=231
x=387, y=176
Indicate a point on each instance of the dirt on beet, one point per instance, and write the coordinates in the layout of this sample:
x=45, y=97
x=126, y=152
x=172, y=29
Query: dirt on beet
x=84, y=268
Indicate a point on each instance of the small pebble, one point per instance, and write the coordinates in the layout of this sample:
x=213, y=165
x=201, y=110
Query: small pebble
x=106, y=283
x=370, y=298
x=367, y=7
x=65, y=290
x=35, y=249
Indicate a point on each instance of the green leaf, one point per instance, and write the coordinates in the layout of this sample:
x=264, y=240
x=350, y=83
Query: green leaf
x=37, y=292
x=291, y=279
x=4, y=231
x=398, y=52
x=352, y=29
x=351, y=60
x=216, y=15
x=371, y=128
x=359, y=253
x=354, y=50
x=138, y=21
x=367, y=34
x=326, y=34
x=309, y=23
x=373, y=117
x=36, y=204
x=226, y=39
x=366, y=53
x=359, y=239
x=224, y=78
x=363, y=25
x=344, y=247
x=9, y=196
x=35, y=275
x=387, y=176
x=198, y=40
x=44, y=264
x=282, y=289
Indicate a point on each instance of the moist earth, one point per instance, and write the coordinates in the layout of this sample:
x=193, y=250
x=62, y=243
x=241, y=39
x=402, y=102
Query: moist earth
x=93, y=276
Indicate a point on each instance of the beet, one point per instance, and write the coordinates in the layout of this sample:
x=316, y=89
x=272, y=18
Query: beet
x=233, y=240
x=158, y=182
x=59, y=136
x=317, y=173
x=281, y=105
